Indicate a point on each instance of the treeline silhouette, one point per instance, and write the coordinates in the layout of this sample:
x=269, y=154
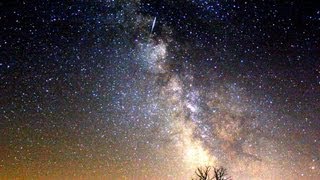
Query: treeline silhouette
x=211, y=173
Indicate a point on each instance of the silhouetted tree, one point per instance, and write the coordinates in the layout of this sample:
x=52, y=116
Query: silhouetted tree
x=203, y=173
x=221, y=174
x=218, y=173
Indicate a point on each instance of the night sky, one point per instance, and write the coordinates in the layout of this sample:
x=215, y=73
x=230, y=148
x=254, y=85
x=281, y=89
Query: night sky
x=121, y=89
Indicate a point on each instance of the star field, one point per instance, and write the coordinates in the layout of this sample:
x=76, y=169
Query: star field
x=144, y=89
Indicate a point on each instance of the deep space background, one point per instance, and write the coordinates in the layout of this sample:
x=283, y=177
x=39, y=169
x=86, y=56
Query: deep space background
x=137, y=89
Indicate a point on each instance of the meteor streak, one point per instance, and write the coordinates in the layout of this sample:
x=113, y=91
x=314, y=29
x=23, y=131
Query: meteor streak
x=153, y=24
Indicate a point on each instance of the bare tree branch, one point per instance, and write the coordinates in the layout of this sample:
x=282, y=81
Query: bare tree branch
x=218, y=173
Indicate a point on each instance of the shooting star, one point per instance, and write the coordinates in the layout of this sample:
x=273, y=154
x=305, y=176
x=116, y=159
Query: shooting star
x=153, y=24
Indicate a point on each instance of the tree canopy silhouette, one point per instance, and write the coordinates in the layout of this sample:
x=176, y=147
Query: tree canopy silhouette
x=218, y=173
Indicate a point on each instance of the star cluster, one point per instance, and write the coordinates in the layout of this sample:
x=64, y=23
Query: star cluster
x=144, y=89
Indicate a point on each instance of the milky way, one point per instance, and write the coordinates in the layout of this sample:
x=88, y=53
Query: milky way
x=155, y=89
